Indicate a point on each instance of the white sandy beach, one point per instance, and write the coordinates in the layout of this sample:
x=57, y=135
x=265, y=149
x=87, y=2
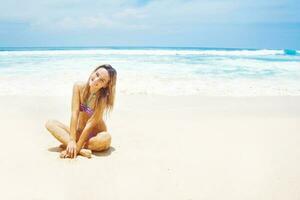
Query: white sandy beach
x=184, y=147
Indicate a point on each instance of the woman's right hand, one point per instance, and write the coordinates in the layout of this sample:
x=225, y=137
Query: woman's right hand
x=71, y=151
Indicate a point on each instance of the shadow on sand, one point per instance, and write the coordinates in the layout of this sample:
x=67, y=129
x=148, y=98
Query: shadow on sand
x=55, y=149
x=96, y=153
x=104, y=153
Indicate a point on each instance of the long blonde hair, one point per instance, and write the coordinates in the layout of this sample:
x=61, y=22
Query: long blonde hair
x=105, y=96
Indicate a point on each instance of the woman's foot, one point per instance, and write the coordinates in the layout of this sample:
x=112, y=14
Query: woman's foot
x=83, y=152
x=86, y=153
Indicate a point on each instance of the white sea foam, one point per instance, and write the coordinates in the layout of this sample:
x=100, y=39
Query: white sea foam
x=49, y=73
x=135, y=84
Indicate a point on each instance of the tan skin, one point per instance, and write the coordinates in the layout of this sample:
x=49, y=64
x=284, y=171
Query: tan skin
x=82, y=145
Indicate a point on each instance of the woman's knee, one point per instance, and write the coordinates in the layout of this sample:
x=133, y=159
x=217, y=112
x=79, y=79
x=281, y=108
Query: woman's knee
x=106, y=137
x=101, y=142
x=50, y=124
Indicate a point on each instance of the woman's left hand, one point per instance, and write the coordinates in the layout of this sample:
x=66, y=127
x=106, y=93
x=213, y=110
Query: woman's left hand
x=65, y=154
x=71, y=149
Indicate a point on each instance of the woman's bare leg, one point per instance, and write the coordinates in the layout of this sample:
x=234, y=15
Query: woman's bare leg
x=62, y=133
x=100, y=142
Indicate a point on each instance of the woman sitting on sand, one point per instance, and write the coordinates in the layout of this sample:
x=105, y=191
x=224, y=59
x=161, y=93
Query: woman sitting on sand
x=87, y=130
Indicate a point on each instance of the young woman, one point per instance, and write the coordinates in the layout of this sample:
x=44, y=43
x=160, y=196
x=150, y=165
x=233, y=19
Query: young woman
x=87, y=130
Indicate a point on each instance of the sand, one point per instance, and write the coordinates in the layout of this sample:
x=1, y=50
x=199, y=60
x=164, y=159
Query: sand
x=184, y=147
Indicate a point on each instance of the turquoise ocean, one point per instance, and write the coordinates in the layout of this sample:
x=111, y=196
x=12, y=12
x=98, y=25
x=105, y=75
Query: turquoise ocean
x=171, y=71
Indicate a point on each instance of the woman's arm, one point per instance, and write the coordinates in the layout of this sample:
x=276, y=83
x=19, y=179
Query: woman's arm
x=75, y=111
x=84, y=135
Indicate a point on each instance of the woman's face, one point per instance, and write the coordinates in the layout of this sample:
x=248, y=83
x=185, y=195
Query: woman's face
x=99, y=79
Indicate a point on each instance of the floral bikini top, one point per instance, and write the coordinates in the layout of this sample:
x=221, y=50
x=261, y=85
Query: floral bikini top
x=86, y=109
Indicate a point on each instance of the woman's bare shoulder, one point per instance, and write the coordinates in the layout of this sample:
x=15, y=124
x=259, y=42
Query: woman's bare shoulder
x=80, y=84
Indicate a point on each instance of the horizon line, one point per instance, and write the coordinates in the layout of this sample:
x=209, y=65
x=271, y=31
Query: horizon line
x=139, y=46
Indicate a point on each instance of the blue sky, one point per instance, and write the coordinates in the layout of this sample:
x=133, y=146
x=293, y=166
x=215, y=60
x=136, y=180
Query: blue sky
x=195, y=23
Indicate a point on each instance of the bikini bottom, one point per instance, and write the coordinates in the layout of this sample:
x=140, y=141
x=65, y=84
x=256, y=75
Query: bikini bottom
x=92, y=134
